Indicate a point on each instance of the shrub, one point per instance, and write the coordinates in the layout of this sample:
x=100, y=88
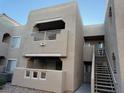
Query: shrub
x=2, y=82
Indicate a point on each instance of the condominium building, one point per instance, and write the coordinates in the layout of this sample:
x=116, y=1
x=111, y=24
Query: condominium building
x=55, y=52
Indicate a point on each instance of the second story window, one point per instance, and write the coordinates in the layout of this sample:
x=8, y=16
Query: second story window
x=48, y=30
x=46, y=35
x=15, y=42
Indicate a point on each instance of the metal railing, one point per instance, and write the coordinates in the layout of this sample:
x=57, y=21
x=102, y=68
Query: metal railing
x=112, y=72
x=100, y=52
x=93, y=71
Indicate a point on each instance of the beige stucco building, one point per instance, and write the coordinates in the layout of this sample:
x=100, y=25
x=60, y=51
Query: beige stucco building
x=55, y=52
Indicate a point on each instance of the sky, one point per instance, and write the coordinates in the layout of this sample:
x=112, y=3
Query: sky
x=92, y=11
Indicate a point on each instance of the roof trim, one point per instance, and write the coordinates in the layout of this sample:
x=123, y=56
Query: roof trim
x=10, y=19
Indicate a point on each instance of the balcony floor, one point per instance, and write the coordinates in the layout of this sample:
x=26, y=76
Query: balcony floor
x=85, y=88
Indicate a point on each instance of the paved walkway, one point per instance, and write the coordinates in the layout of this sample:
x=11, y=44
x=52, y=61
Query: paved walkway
x=85, y=88
x=8, y=88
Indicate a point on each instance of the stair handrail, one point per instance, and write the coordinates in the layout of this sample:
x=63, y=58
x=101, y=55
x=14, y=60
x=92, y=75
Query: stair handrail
x=113, y=77
x=93, y=71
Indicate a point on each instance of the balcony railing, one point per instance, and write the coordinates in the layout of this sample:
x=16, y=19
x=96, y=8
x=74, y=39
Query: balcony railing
x=100, y=52
x=47, y=80
x=93, y=71
x=112, y=72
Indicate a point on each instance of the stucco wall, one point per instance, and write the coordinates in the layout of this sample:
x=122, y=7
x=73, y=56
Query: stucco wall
x=4, y=47
x=15, y=53
x=119, y=17
x=87, y=53
x=51, y=84
x=112, y=40
x=94, y=30
x=78, y=54
x=69, y=44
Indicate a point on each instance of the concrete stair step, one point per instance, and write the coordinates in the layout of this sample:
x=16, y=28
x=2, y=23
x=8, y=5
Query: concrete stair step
x=102, y=67
x=102, y=71
x=104, y=86
x=103, y=80
x=99, y=90
x=103, y=77
x=103, y=74
x=105, y=83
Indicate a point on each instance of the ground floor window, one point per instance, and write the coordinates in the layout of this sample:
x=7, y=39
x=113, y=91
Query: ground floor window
x=43, y=75
x=11, y=65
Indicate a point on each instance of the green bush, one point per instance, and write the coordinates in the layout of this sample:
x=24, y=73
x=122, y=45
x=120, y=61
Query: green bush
x=2, y=82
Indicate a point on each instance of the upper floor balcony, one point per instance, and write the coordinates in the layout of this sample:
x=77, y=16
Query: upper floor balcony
x=47, y=38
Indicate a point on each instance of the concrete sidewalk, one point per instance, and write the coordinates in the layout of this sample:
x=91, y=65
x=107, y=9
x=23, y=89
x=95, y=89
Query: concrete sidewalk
x=85, y=88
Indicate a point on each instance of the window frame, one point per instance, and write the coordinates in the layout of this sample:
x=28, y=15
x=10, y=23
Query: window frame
x=7, y=64
x=41, y=74
x=12, y=41
x=32, y=75
x=25, y=76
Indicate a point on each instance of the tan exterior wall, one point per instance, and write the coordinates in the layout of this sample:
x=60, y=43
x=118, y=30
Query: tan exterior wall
x=4, y=46
x=55, y=84
x=87, y=53
x=94, y=30
x=69, y=44
x=114, y=39
x=78, y=54
x=119, y=6
x=15, y=53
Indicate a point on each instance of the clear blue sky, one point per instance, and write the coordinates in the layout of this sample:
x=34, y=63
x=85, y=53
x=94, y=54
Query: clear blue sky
x=92, y=11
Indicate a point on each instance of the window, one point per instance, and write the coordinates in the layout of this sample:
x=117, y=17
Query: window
x=43, y=75
x=46, y=35
x=27, y=73
x=11, y=65
x=35, y=74
x=15, y=42
x=6, y=38
x=51, y=35
x=39, y=35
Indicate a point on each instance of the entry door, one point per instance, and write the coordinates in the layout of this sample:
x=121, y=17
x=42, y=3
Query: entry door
x=87, y=72
x=11, y=65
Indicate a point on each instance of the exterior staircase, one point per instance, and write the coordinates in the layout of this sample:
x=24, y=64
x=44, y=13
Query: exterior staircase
x=103, y=77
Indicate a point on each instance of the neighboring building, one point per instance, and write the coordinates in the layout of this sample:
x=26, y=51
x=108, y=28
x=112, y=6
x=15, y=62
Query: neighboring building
x=7, y=26
x=54, y=52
